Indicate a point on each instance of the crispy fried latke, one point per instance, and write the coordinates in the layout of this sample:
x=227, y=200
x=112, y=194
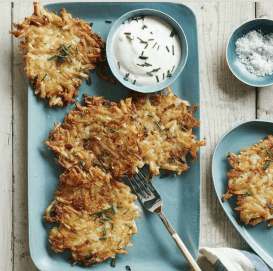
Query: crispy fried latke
x=99, y=134
x=251, y=180
x=167, y=124
x=79, y=50
x=95, y=215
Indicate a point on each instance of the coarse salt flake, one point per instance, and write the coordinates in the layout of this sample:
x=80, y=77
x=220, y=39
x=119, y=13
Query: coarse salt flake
x=255, y=51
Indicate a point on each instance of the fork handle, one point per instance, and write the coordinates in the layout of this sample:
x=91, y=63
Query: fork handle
x=179, y=243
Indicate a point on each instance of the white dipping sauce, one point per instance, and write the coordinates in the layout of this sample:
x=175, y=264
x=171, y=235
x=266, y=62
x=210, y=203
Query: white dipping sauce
x=163, y=51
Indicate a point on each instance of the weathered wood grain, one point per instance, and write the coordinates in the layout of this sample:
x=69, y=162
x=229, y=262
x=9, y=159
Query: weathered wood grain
x=225, y=102
x=5, y=140
x=265, y=95
x=22, y=260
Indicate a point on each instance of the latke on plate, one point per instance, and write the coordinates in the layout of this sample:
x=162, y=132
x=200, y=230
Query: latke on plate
x=252, y=182
x=95, y=215
x=59, y=50
x=99, y=134
x=166, y=123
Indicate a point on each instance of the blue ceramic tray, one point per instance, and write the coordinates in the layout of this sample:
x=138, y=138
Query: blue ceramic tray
x=153, y=248
x=260, y=237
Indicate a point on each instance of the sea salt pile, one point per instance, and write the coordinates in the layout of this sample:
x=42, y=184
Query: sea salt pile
x=255, y=51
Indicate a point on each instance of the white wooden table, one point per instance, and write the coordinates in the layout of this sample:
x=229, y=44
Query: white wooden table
x=225, y=102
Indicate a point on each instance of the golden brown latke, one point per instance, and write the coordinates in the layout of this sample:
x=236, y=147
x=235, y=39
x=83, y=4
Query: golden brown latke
x=99, y=134
x=167, y=124
x=78, y=48
x=251, y=179
x=95, y=215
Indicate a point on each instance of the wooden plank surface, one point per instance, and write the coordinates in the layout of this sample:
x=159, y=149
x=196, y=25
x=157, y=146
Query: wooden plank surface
x=5, y=140
x=225, y=102
x=22, y=259
x=265, y=95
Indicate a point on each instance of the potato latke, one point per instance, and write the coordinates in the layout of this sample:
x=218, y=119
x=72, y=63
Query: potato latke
x=251, y=180
x=99, y=134
x=167, y=136
x=95, y=215
x=60, y=50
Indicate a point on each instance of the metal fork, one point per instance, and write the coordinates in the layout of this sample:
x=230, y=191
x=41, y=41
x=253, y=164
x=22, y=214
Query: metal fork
x=153, y=202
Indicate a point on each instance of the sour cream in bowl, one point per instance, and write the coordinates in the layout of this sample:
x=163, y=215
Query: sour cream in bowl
x=146, y=50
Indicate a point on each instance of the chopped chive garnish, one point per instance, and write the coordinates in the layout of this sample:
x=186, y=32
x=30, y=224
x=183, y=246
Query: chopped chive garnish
x=77, y=50
x=104, y=171
x=144, y=26
x=102, y=238
x=118, y=65
x=109, y=216
x=163, y=75
x=108, y=21
x=113, y=262
x=169, y=74
x=96, y=163
x=113, y=225
x=267, y=164
x=143, y=57
x=126, y=76
x=129, y=38
x=80, y=69
x=113, y=209
x=149, y=73
x=88, y=80
x=172, y=33
x=105, y=219
x=150, y=116
x=142, y=41
x=134, y=82
x=65, y=47
x=126, y=211
x=158, y=125
x=119, y=207
x=69, y=46
x=155, y=70
x=44, y=77
x=157, y=78
x=142, y=53
x=102, y=211
x=151, y=39
x=173, y=50
x=248, y=192
x=130, y=152
x=87, y=67
x=104, y=230
x=97, y=217
x=147, y=64
x=82, y=114
x=167, y=133
x=52, y=57
x=158, y=47
x=144, y=127
x=167, y=48
x=59, y=47
x=172, y=69
x=155, y=44
x=268, y=152
x=127, y=33
x=81, y=164
x=101, y=221
x=119, y=242
x=263, y=148
x=269, y=160
x=70, y=57
x=146, y=46
x=128, y=225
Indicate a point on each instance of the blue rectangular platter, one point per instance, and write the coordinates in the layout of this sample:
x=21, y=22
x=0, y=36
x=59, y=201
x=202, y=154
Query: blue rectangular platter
x=153, y=248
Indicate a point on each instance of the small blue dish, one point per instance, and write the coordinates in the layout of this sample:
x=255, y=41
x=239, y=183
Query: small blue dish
x=238, y=68
x=245, y=134
x=179, y=32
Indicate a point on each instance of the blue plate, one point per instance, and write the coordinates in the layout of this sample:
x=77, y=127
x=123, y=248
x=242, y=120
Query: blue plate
x=238, y=68
x=153, y=248
x=260, y=237
x=179, y=32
